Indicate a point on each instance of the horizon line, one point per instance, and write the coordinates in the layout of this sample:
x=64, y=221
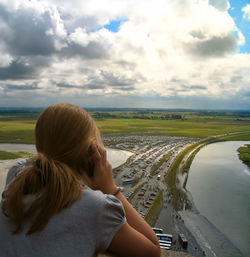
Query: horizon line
x=132, y=108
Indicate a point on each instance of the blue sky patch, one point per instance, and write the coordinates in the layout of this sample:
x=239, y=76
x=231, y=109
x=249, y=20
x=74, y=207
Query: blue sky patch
x=115, y=25
x=243, y=24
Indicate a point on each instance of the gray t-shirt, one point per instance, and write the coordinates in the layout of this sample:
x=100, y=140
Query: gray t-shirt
x=81, y=230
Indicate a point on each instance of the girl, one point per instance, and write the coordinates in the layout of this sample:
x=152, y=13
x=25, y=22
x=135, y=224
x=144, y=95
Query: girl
x=64, y=201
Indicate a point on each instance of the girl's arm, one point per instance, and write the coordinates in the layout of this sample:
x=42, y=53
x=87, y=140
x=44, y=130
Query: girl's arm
x=136, y=237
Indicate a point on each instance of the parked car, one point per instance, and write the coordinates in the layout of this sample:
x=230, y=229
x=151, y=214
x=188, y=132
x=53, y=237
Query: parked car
x=183, y=240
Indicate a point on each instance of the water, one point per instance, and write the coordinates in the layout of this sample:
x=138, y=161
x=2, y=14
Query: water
x=116, y=158
x=18, y=148
x=220, y=185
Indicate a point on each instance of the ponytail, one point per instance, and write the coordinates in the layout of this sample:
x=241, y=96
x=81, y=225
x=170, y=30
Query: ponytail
x=54, y=186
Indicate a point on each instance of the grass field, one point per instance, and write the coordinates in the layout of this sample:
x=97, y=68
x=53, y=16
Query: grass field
x=187, y=128
x=5, y=155
x=20, y=129
x=179, y=197
x=244, y=154
x=155, y=209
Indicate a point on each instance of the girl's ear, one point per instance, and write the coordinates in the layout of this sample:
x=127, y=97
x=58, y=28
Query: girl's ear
x=90, y=168
x=90, y=163
x=90, y=150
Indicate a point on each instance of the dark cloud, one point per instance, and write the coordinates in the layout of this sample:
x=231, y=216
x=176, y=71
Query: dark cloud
x=221, y=5
x=32, y=86
x=127, y=65
x=24, y=68
x=236, y=79
x=25, y=38
x=114, y=80
x=27, y=32
x=28, y=36
x=126, y=88
x=95, y=82
x=90, y=23
x=175, y=80
x=216, y=46
x=65, y=85
x=95, y=85
x=175, y=90
x=186, y=88
x=17, y=70
x=102, y=81
x=198, y=87
x=94, y=50
x=197, y=34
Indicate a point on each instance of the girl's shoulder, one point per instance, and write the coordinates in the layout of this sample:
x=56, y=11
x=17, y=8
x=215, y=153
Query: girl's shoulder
x=105, y=213
x=13, y=172
x=97, y=197
x=102, y=204
x=16, y=169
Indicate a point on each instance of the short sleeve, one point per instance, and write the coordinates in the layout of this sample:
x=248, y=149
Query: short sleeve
x=112, y=219
x=13, y=172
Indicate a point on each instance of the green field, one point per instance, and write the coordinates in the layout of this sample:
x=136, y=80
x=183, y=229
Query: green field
x=189, y=128
x=6, y=155
x=244, y=154
x=19, y=128
x=21, y=131
x=155, y=209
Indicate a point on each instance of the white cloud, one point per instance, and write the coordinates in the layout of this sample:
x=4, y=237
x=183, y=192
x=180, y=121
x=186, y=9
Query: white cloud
x=168, y=49
x=241, y=39
x=5, y=60
x=81, y=37
x=246, y=12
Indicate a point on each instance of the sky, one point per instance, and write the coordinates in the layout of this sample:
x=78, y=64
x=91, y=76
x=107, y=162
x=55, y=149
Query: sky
x=125, y=53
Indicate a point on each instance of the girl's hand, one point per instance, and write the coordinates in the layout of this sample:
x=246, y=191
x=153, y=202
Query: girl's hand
x=102, y=178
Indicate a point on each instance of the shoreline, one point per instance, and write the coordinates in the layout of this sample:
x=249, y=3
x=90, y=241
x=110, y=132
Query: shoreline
x=6, y=164
x=202, y=230
x=113, y=156
x=204, y=238
x=212, y=241
x=210, y=238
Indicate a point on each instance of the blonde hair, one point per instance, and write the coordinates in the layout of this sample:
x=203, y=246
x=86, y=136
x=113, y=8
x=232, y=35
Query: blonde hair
x=64, y=134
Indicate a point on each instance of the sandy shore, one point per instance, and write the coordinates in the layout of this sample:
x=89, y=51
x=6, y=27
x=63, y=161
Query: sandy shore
x=204, y=239
x=211, y=240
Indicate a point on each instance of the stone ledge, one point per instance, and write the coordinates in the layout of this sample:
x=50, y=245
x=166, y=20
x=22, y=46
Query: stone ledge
x=164, y=253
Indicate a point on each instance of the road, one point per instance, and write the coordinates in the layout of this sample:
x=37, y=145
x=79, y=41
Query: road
x=148, y=152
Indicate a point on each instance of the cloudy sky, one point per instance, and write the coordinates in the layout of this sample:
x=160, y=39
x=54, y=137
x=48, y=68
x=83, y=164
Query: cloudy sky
x=125, y=53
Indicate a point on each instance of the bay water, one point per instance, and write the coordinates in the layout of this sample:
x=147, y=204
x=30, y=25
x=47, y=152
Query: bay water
x=116, y=158
x=220, y=186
